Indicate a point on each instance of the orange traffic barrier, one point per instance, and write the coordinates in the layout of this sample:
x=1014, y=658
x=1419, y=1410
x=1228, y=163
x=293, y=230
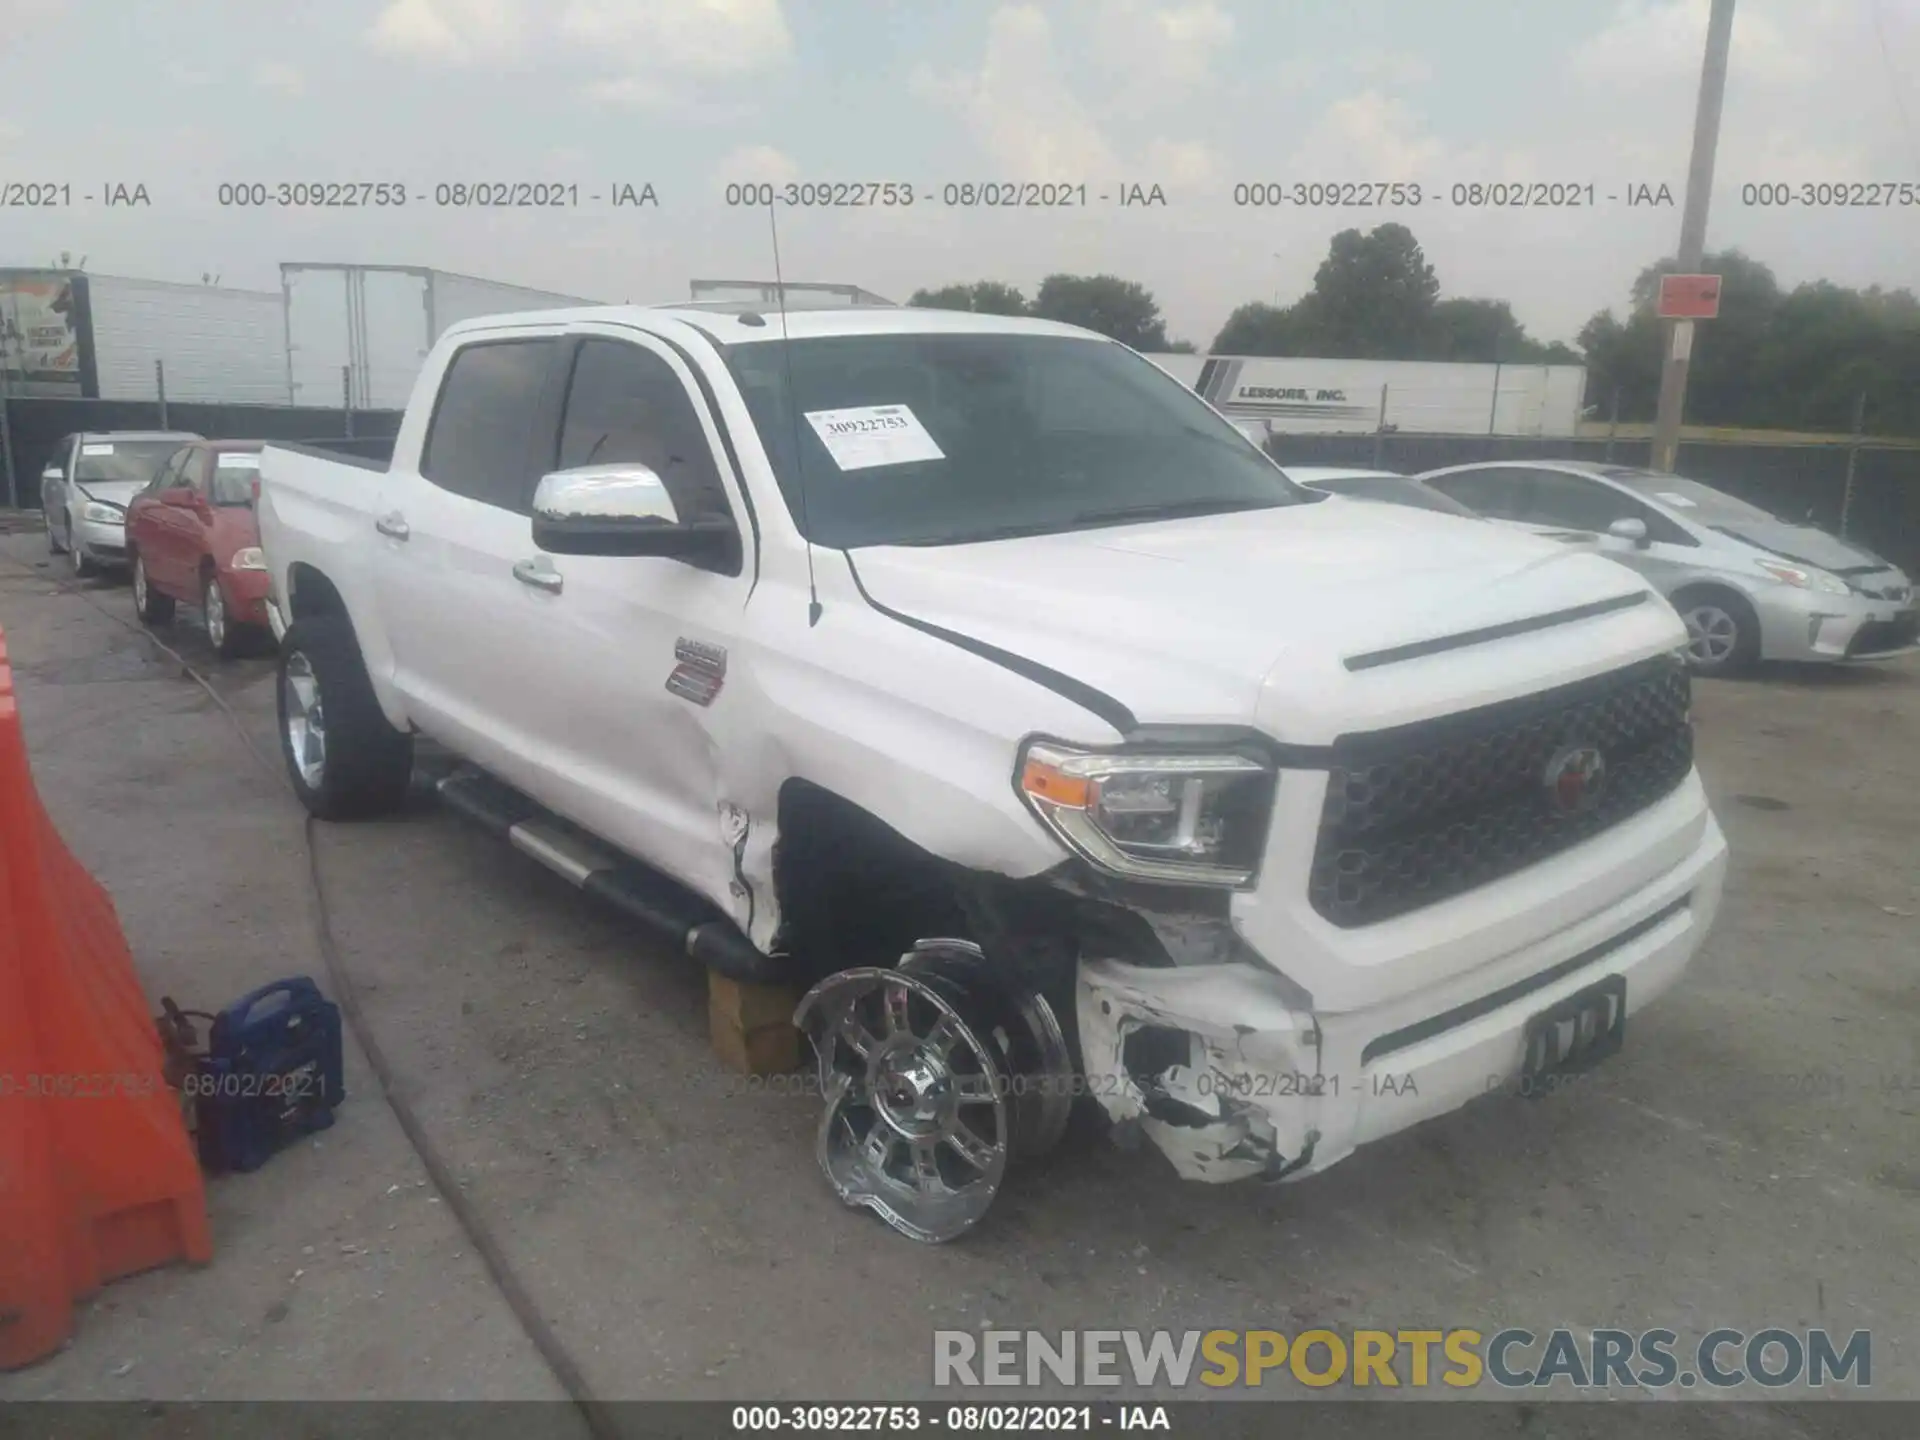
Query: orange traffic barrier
x=98, y=1178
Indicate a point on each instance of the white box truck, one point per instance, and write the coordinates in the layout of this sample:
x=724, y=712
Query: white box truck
x=1299, y=395
x=358, y=333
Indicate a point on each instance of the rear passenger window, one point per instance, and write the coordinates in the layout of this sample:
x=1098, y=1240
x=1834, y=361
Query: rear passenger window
x=1500, y=494
x=480, y=441
x=626, y=405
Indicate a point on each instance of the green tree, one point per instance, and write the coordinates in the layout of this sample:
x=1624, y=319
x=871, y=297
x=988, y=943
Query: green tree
x=985, y=297
x=1486, y=332
x=1123, y=310
x=1373, y=295
x=1258, y=328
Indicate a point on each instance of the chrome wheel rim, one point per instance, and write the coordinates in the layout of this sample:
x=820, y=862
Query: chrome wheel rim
x=306, y=730
x=74, y=557
x=916, y=1126
x=1712, y=634
x=216, y=608
x=140, y=585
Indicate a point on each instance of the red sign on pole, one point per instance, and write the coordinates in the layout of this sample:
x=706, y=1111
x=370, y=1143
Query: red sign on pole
x=1689, y=297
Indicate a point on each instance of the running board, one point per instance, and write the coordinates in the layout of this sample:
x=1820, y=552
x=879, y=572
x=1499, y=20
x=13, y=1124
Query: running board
x=662, y=904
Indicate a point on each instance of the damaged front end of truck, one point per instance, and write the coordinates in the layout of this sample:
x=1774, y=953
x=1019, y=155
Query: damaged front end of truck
x=945, y=1072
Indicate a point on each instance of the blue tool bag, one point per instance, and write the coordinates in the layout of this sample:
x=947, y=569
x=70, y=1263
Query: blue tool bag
x=271, y=1073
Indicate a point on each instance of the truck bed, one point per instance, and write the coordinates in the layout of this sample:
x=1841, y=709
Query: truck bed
x=317, y=508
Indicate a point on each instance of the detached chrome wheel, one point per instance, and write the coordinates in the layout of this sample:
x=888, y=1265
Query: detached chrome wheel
x=305, y=723
x=140, y=585
x=934, y=1078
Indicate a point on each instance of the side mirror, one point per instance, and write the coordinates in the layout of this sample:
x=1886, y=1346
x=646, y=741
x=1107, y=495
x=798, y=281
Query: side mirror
x=1630, y=529
x=52, y=472
x=622, y=510
x=178, y=495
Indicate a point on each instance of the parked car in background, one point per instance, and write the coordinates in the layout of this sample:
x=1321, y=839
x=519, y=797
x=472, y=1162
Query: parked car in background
x=1381, y=485
x=85, y=487
x=1750, y=585
x=193, y=539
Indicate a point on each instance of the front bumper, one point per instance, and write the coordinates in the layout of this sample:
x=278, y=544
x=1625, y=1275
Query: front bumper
x=1806, y=625
x=100, y=542
x=1267, y=1088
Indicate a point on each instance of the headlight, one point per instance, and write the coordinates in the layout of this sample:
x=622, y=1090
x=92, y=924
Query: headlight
x=100, y=514
x=1193, y=819
x=1805, y=578
x=248, y=558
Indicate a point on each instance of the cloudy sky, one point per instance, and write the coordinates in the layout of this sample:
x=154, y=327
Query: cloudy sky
x=1193, y=95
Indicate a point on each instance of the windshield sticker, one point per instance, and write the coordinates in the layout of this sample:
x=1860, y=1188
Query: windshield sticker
x=241, y=460
x=96, y=449
x=1673, y=499
x=865, y=436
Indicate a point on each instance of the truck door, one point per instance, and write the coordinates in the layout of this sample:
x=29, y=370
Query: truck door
x=628, y=683
x=449, y=533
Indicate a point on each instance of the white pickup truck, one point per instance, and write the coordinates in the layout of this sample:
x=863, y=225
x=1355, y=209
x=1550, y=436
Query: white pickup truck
x=980, y=677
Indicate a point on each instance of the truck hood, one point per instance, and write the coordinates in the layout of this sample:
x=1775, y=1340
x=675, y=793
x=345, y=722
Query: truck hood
x=1183, y=621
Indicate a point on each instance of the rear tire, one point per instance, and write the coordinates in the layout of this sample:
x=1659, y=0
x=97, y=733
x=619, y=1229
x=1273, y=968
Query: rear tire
x=229, y=640
x=1723, y=633
x=152, y=607
x=345, y=760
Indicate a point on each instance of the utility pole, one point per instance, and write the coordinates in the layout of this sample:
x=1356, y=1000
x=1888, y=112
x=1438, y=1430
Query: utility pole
x=1693, y=233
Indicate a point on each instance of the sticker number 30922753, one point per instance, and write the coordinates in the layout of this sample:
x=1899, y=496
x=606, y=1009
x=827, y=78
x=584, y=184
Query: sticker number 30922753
x=863, y=437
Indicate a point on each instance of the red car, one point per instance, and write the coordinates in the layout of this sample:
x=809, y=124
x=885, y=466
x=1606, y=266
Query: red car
x=192, y=538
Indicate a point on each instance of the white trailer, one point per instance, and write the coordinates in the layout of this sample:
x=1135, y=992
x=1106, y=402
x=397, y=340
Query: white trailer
x=357, y=334
x=1297, y=395
x=73, y=334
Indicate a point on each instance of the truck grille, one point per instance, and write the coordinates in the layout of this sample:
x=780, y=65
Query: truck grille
x=1420, y=813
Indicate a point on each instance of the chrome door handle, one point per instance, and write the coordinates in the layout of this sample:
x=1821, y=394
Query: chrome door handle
x=539, y=574
x=393, y=526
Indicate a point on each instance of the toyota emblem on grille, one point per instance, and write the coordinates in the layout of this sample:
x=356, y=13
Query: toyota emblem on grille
x=1575, y=777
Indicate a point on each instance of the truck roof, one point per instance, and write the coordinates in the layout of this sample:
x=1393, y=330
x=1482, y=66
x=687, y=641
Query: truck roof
x=735, y=325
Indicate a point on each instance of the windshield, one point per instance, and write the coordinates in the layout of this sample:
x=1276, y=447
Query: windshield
x=107, y=462
x=1394, y=490
x=924, y=439
x=234, y=472
x=1699, y=503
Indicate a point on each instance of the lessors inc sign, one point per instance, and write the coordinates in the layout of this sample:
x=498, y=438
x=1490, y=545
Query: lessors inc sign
x=1220, y=384
x=1459, y=1359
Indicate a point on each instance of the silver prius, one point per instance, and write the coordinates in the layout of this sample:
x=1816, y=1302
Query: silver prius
x=1749, y=585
